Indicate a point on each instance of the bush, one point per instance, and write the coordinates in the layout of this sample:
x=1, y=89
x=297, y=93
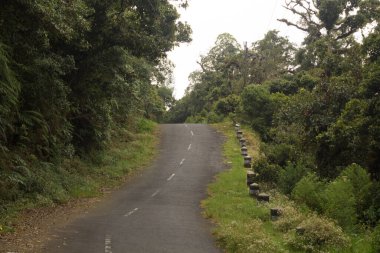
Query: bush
x=309, y=191
x=320, y=235
x=246, y=237
x=290, y=175
x=289, y=219
x=372, y=214
x=339, y=202
x=280, y=153
x=376, y=239
x=195, y=119
x=145, y=125
x=228, y=104
x=361, y=182
x=258, y=108
x=213, y=117
x=267, y=172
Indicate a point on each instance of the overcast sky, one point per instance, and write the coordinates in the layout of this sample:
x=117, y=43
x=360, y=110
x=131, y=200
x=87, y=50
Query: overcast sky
x=246, y=20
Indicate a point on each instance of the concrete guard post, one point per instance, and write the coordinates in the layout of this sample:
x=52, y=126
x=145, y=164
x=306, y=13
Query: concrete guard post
x=254, y=190
x=250, y=177
x=275, y=213
x=247, y=162
x=244, y=151
x=263, y=197
x=300, y=230
x=243, y=142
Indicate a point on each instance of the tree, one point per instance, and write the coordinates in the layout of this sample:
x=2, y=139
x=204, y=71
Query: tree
x=270, y=58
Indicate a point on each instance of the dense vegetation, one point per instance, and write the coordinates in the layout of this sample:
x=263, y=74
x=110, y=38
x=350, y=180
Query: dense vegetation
x=316, y=107
x=73, y=74
x=245, y=225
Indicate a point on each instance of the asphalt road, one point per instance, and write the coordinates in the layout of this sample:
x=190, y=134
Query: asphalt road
x=159, y=210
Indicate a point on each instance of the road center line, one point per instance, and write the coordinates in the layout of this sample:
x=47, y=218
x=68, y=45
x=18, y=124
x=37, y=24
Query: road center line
x=131, y=212
x=192, y=134
x=183, y=160
x=189, y=147
x=107, y=244
x=155, y=193
x=186, y=125
x=171, y=177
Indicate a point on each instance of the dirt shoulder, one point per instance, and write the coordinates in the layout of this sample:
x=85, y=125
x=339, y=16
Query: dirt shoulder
x=33, y=229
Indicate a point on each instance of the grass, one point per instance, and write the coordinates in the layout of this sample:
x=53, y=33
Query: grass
x=244, y=225
x=85, y=178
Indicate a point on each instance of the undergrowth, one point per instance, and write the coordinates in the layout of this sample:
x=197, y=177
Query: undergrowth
x=48, y=184
x=244, y=225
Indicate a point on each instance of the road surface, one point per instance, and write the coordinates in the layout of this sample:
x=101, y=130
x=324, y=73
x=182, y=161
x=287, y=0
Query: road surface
x=159, y=210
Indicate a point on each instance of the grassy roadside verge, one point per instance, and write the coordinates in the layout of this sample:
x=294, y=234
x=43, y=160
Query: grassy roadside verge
x=244, y=225
x=76, y=178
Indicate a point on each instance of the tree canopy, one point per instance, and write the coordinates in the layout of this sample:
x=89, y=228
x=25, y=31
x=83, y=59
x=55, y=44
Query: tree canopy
x=71, y=72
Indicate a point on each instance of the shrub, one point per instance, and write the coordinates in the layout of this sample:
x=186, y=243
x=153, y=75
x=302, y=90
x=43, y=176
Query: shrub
x=361, y=182
x=309, y=191
x=372, y=214
x=280, y=153
x=267, y=172
x=290, y=175
x=289, y=219
x=258, y=107
x=320, y=235
x=339, y=202
x=229, y=104
x=195, y=119
x=246, y=237
x=213, y=117
x=376, y=239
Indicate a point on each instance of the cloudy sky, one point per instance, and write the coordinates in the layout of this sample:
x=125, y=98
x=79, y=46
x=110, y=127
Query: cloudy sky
x=246, y=20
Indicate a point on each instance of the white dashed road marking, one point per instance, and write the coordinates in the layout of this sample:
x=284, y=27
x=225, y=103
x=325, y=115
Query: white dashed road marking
x=192, y=134
x=189, y=147
x=183, y=160
x=171, y=177
x=108, y=244
x=155, y=193
x=131, y=212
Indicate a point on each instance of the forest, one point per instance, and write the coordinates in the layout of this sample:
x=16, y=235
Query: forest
x=316, y=107
x=72, y=75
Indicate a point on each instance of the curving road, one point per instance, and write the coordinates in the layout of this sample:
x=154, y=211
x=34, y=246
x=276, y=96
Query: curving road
x=159, y=210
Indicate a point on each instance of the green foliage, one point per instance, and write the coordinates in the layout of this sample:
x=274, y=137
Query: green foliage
x=362, y=184
x=267, y=172
x=71, y=74
x=372, y=214
x=35, y=183
x=290, y=175
x=320, y=235
x=376, y=239
x=228, y=104
x=309, y=191
x=225, y=72
x=285, y=86
x=213, y=117
x=271, y=57
x=244, y=225
x=258, y=107
x=9, y=97
x=280, y=153
x=339, y=203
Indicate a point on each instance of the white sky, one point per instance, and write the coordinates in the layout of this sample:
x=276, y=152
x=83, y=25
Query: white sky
x=246, y=20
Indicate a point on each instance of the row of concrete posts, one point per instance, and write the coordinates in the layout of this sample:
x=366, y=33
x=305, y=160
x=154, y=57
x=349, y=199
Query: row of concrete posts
x=252, y=182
